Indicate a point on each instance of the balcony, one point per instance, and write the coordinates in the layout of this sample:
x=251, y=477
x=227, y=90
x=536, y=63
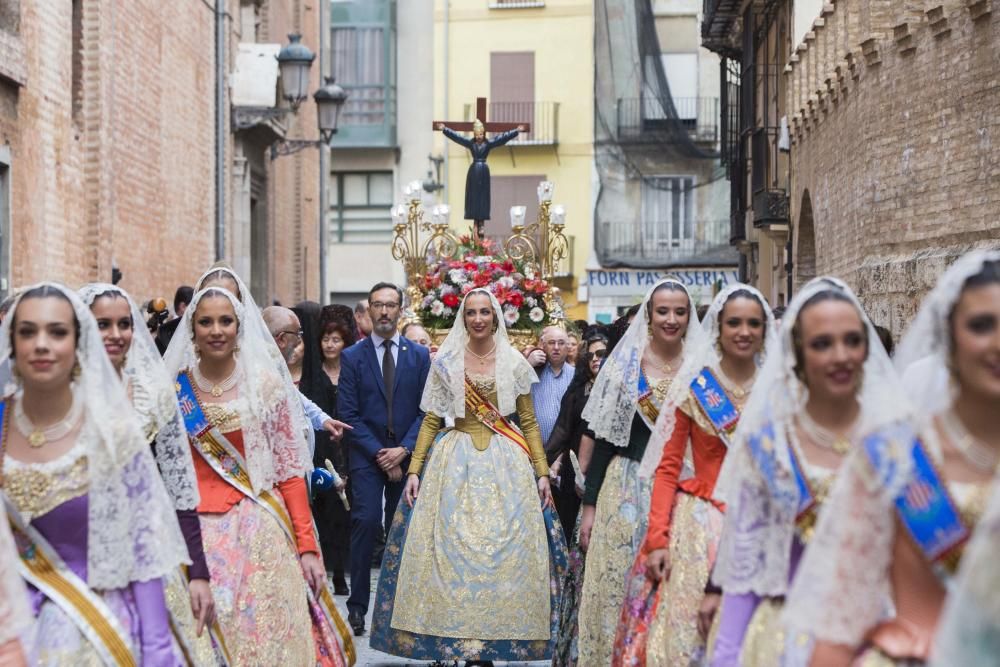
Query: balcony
x=718, y=20
x=368, y=118
x=543, y=116
x=516, y=4
x=643, y=119
x=651, y=244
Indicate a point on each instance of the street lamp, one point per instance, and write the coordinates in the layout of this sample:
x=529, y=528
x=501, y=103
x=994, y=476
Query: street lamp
x=329, y=101
x=294, y=62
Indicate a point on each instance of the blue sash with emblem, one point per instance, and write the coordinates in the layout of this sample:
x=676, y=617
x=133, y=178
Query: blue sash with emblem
x=924, y=507
x=763, y=452
x=715, y=404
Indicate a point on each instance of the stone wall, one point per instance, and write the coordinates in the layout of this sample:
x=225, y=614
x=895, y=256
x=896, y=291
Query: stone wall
x=893, y=110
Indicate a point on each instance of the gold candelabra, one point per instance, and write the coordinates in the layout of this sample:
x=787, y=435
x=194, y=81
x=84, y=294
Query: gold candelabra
x=542, y=243
x=419, y=242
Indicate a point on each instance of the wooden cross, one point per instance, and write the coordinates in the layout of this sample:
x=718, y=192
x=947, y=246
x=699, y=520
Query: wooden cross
x=481, y=115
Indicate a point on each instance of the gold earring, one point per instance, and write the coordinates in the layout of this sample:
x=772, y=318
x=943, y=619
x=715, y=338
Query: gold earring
x=77, y=370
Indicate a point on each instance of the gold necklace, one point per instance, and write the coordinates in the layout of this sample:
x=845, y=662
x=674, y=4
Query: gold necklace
x=216, y=390
x=839, y=443
x=973, y=450
x=665, y=367
x=737, y=391
x=39, y=437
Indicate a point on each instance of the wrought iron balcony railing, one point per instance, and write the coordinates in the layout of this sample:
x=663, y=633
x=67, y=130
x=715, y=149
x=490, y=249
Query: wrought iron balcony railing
x=543, y=116
x=644, y=119
x=660, y=243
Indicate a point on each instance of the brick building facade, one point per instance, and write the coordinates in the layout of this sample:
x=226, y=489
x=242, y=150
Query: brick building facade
x=890, y=170
x=107, y=148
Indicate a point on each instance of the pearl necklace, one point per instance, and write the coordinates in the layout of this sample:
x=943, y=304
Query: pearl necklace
x=483, y=358
x=216, y=390
x=39, y=437
x=973, y=450
x=825, y=437
x=739, y=391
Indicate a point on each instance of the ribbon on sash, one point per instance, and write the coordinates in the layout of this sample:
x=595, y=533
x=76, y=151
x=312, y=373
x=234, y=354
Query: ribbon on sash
x=42, y=567
x=924, y=506
x=229, y=464
x=715, y=404
x=763, y=451
x=648, y=409
x=478, y=406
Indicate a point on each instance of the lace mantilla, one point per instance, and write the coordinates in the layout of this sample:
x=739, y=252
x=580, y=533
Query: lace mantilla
x=15, y=615
x=132, y=530
x=444, y=393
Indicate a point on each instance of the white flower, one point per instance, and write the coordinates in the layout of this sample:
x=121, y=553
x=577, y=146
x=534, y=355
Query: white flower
x=506, y=281
x=437, y=308
x=531, y=301
x=458, y=276
x=510, y=315
x=536, y=315
x=447, y=289
x=447, y=312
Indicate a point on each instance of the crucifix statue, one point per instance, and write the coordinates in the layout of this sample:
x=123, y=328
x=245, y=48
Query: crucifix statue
x=477, y=180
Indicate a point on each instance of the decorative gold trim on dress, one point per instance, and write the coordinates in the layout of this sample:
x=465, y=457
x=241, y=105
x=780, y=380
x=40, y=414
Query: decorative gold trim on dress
x=222, y=417
x=37, y=492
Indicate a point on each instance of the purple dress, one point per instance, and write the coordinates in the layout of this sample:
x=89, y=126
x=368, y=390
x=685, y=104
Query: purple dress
x=60, y=514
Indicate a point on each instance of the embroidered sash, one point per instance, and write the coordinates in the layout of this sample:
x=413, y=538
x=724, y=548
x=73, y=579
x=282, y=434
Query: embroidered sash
x=648, y=409
x=227, y=461
x=714, y=403
x=764, y=453
x=42, y=567
x=924, y=507
x=478, y=406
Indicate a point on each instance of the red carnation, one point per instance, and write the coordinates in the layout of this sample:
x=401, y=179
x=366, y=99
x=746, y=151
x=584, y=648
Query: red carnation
x=482, y=279
x=450, y=300
x=516, y=299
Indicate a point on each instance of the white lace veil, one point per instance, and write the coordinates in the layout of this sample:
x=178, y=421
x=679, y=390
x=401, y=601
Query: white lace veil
x=257, y=329
x=704, y=353
x=444, y=393
x=969, y=631
x=923, y=353
x=15, y=614
x=273, y=443
x=614, y=397
x=132, y=531
x=155, y=401
x=841, y=589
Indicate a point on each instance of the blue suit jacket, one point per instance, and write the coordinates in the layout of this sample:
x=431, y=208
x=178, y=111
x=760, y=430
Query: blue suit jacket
x=361, y=399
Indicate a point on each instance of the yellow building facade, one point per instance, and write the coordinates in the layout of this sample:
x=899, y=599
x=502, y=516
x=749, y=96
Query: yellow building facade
x=533, y=61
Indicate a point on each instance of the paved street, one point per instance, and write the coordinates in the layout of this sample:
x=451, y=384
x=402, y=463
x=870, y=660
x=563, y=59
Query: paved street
x=368, y=657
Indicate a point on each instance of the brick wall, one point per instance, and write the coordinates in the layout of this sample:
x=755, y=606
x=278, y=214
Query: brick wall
x=128, y=174
x=893, y=109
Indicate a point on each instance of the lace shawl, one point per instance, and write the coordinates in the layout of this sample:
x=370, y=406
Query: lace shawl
x=705, y=353
x=155, y=402
x=132, y=530
x=756, y=541
x=614, y=396
x=15, y=615
x=444, y=393
x=274, y=445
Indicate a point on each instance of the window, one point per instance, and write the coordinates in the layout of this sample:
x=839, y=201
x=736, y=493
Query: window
x=668, y=212
x=358, y=61
x=4, y=228
x=512, y=88
x=507, y=191
x=359, y=207
x=249, y=20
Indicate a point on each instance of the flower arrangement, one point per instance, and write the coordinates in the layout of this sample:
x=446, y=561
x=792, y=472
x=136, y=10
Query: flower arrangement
x=521, y=294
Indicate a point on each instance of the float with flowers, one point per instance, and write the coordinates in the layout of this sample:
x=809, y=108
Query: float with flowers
x=529, y=302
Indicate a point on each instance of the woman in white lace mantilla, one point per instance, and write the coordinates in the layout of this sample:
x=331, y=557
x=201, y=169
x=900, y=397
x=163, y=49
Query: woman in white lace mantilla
x=95, y=529
x=668, y=606
x=472, y=571
x=628, y=395
x=873, y=583
x=135, y=357
x=812, y=402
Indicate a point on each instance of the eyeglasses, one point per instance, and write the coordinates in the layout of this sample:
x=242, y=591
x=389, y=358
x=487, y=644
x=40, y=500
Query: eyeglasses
x=600, y=354
x=387, y=305
x=297, y=334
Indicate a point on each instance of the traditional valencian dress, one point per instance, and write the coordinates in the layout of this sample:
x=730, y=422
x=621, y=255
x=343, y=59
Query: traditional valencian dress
x=773, y=493
x=15, y=615
x=254, y=510
x=473, y=570
x=658, y=621
x=885, y=551
x=151, y=392
x=94, y=527
x=622, y=411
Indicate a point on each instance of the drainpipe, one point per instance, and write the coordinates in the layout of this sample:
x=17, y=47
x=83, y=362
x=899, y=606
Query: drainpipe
x=324, y=158
x=220, y=130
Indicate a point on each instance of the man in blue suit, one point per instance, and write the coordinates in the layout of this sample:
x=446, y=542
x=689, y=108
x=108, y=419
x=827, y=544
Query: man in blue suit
x=381, y=383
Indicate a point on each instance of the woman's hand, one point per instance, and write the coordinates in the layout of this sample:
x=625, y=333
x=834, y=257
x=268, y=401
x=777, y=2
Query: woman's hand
x=586, y=526
x=545, y=493
x=658, y=565
x=706, y=613
x=202, y=603
x=314, y=571
x=411, y=489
